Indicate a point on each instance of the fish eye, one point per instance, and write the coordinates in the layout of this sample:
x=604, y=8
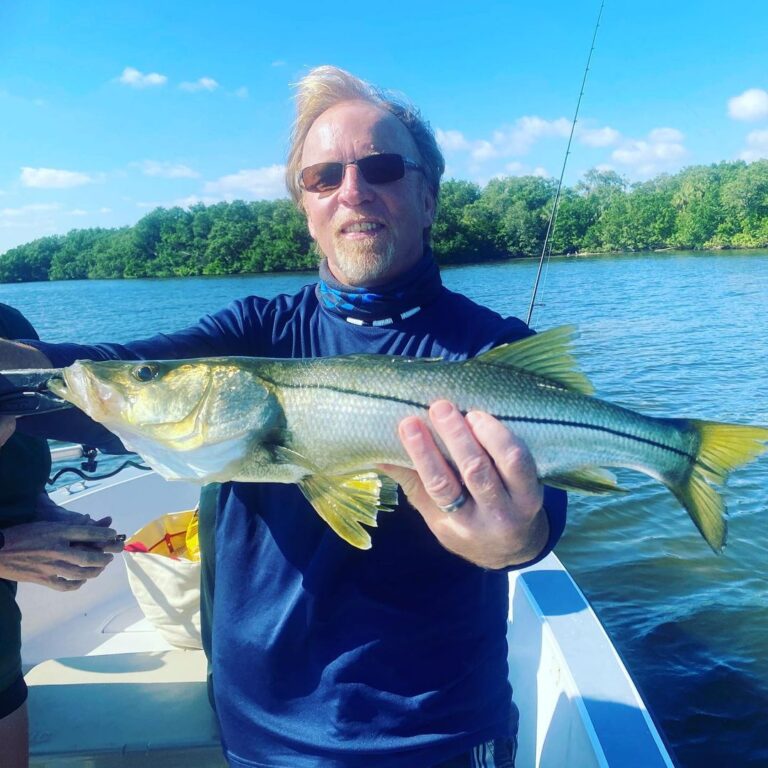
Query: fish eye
x=145, y=372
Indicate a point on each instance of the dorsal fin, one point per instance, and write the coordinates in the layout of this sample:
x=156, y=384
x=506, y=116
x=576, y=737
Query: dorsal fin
x=547, y=354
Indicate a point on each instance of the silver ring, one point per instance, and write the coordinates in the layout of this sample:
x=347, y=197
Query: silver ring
x=457, y=503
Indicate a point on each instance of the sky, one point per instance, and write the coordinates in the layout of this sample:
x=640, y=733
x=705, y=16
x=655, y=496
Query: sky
x=109, y=110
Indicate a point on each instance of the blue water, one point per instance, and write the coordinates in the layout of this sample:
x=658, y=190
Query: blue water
x=670, y=334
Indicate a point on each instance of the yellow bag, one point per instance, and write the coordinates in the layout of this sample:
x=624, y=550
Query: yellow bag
x=163, y=562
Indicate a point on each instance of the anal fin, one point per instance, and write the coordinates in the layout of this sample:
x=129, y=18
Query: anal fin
x=591, y=480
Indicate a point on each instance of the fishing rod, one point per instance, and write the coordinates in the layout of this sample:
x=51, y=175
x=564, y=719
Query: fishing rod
x=546, y=250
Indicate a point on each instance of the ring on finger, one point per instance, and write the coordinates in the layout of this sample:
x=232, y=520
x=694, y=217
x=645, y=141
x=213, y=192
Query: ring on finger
x=457, y=503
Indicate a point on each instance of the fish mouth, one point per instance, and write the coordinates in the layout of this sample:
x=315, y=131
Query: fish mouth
x=84, y=390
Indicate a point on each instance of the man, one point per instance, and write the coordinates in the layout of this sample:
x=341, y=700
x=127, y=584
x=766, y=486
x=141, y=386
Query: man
x=324, y=655
x=36, y=540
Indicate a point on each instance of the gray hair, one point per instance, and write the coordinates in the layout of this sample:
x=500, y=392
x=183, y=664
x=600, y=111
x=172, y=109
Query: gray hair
x=323, y=88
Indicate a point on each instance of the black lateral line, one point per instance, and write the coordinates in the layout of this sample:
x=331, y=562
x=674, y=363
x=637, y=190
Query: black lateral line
x=514, y=419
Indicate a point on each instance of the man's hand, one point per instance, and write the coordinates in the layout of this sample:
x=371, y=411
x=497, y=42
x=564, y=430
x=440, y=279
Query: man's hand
x=502, y=522
x=61, y=549
x=7, y=428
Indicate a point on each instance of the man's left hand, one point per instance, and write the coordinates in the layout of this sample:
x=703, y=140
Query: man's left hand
x=502, y=522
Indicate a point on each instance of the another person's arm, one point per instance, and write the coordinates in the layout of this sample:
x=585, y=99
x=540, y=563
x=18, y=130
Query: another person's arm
x=58, y=549
x=12, y=356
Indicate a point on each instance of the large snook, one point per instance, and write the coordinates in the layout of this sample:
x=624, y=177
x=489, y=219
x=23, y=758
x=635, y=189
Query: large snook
x=326, y=423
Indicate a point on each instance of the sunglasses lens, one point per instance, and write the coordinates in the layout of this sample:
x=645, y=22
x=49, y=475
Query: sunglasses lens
x=381, y=169
x=376, y=169
x=322, y=177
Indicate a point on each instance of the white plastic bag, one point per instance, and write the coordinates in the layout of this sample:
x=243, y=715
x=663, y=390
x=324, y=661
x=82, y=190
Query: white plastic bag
x=164, y=573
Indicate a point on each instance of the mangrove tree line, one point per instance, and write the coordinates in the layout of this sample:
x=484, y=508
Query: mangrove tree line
x=716, y=206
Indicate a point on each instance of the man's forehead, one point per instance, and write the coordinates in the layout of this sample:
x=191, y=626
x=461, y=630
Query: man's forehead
x=358, y=126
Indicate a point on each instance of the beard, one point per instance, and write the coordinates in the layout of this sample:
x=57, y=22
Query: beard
x=363, y=262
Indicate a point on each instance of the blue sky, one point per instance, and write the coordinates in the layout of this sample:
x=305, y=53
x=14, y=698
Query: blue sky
x=108, y=110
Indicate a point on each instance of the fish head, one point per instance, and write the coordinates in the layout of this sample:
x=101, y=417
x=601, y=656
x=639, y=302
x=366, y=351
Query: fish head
x=173, y=405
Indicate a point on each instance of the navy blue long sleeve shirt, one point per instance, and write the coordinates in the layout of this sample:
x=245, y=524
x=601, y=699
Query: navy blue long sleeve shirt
x=325, y=655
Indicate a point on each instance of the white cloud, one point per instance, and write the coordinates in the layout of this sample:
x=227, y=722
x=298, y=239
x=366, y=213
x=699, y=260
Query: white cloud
x=241, y=92
x=520, y=138
x=253, y=184
x=451, y=141
x=757, y=146
x=77, y=212
x=136, y=79
x=598, y=137
x=511, y=141
x=25, y=210
x=166, y=170
x=665, y=136
x=190, y=200
x=52, y=178
x=278, y=63
x=203, y=84
x=661, y=150
x=750, y=105
x=520, y=169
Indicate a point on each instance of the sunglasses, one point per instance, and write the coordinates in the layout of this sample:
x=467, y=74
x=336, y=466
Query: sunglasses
x=376, y=169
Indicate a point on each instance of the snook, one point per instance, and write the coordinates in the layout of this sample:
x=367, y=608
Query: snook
x=325, y=423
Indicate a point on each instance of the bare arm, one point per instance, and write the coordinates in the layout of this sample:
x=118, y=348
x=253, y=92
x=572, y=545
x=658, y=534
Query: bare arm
x=14, y=355
x=60, y=550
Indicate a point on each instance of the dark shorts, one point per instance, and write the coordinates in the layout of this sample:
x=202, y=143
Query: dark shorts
x=499, y=753
x=13, y=690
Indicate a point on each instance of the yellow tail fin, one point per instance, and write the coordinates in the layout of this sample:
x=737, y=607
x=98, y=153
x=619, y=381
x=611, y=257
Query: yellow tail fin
x=722, y=448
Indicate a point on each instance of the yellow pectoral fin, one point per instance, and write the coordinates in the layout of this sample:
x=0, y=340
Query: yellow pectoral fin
x=346, y=502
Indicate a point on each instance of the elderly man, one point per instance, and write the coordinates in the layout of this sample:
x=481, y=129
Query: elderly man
x=325, y=655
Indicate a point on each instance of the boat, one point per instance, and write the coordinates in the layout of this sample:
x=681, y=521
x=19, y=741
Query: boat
x=106, y=690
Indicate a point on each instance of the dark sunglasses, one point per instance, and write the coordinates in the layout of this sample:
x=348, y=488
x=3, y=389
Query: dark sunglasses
x=376, y=169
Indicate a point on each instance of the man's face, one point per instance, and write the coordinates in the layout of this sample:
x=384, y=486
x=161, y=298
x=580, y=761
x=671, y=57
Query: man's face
x=370, y=233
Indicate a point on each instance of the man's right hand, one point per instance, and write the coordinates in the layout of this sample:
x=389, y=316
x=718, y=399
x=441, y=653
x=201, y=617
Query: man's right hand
x=59, y=555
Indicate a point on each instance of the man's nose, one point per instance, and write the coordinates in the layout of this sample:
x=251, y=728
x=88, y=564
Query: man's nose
x=354, y=189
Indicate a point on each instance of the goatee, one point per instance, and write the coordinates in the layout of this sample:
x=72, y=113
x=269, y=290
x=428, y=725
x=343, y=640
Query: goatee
x=363, y=262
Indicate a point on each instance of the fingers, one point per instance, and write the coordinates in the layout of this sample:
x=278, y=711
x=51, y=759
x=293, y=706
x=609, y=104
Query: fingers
x=63, y=585
x=434, y=478
x=87, y=557
x=476, y=467
x=511, y=459
x=89, y=534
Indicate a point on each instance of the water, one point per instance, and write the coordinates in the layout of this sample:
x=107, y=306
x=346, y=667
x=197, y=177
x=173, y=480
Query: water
x=669, y=334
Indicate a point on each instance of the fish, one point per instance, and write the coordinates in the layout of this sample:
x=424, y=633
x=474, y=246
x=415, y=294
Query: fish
x=327, y=424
